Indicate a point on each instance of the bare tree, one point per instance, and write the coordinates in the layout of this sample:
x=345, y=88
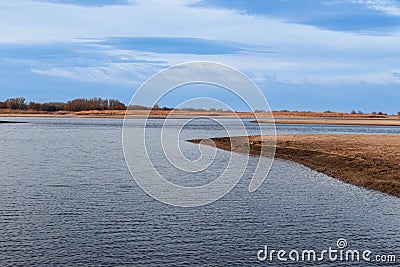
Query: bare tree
x=16, y=103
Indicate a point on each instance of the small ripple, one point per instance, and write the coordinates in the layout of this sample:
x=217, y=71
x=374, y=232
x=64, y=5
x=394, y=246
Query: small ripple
x=59, y=185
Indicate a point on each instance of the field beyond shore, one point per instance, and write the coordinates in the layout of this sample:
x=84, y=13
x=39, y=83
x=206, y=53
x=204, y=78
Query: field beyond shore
x=370, y=161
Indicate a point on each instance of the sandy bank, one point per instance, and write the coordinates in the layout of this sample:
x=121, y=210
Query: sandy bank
x=295, y=117
x=370, y=161
x=343, y=121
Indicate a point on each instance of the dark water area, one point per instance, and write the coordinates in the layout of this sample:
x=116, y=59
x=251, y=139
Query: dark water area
x=12, y=122
x=67, y=198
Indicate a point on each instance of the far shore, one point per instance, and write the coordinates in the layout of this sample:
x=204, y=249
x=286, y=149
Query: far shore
x=280, y=117
x=369, y=161
x=338, y=121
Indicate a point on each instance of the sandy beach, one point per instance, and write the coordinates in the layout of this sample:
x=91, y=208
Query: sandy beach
x=370, y=161
x=339, y=121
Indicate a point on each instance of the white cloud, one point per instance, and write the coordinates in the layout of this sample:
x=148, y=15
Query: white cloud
x=387, y=6
x=115, y=73
x=304, y=53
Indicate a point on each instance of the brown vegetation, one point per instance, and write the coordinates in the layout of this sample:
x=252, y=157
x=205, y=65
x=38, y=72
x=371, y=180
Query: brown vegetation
x=80, y=104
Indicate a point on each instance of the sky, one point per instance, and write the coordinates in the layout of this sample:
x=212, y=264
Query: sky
x=313, y=55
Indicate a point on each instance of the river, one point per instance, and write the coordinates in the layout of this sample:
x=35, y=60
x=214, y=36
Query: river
x=67, y=198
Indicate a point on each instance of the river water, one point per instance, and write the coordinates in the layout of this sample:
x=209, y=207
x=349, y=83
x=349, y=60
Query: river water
x=67, y=198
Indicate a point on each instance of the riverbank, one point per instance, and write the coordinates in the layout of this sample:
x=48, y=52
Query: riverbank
x=339, y=121
x=370, y=161
x=281, y=117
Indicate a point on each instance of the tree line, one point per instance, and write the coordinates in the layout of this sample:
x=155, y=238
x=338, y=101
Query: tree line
x=97, y=103
x=79, y=104
x=85, y=104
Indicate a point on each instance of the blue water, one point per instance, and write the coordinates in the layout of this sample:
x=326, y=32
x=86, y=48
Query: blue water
x=67, y=198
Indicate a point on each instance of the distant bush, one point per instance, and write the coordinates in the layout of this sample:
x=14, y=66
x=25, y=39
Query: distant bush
x=138, y=107
x=34, y=106
x=53, y=106
x=50, y=106
x=83, y=104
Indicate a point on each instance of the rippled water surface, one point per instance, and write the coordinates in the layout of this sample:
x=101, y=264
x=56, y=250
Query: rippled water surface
x=67, y=198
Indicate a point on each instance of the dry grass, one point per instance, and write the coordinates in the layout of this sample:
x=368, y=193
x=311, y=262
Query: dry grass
x=121, y=113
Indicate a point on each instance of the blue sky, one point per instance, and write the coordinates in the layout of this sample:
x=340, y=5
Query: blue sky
x=303, y=54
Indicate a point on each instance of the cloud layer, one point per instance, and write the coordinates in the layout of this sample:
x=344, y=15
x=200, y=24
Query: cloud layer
x=328, y=54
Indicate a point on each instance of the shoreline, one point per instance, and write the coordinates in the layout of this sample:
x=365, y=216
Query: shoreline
x=369, y=161
x=335, y=121
x=279, y=117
